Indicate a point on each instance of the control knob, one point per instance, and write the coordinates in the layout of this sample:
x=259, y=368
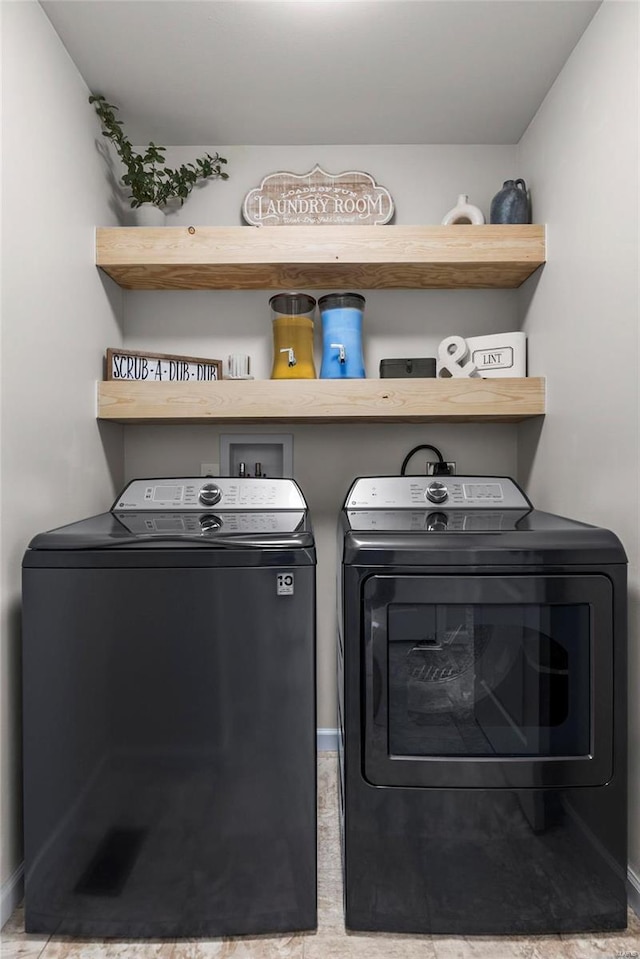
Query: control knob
x=209, y=523
x=210, y=494
x=436, y=522
x=437, y=492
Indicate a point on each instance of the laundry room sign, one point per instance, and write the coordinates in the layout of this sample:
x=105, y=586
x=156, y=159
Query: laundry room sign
x=318, y=198
x=160, y=367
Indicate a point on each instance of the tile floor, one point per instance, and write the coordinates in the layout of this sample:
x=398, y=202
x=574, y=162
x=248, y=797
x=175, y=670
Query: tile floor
x=330, y=941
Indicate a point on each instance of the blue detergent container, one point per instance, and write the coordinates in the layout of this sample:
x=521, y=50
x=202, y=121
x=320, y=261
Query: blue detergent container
x=341, y=315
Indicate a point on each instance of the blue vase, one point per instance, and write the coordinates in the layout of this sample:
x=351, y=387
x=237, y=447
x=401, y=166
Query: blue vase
x=511, y=203
x=341, y=315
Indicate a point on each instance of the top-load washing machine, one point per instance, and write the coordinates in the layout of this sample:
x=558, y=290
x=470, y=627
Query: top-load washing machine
x=482, y=711
x=169, y=714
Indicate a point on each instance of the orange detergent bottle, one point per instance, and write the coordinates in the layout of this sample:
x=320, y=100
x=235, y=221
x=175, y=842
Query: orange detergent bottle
x=292, y=315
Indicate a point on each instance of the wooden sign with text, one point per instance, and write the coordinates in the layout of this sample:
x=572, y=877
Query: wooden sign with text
x=319, y=198
x=161, y=367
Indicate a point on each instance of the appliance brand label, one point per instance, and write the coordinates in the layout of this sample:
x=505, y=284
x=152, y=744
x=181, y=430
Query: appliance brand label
x=284, y=584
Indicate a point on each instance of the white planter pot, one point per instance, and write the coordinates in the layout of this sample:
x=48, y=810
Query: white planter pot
x=149, y=215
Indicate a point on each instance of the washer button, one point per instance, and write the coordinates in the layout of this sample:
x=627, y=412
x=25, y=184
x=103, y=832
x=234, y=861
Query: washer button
x=210, y=494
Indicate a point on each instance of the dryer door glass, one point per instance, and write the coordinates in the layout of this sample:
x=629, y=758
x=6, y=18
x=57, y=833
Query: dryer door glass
x=488, y=680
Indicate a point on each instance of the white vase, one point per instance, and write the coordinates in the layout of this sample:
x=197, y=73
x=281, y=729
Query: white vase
x=464, y=212
x=149, y=215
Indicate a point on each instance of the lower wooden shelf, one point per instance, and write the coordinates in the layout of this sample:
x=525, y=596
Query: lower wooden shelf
x=323, y=401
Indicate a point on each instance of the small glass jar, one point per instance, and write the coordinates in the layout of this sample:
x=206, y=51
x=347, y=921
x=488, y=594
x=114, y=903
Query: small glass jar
x=292, y=315
x=341, y=315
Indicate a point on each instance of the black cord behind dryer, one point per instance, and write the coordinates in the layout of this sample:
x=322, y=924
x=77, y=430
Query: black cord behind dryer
x=441, y=467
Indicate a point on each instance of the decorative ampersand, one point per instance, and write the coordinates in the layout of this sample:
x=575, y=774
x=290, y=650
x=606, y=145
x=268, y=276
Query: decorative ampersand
x=452, y=352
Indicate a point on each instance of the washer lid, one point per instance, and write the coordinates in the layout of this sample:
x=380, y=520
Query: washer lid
x=204, y=528
x=221, y=513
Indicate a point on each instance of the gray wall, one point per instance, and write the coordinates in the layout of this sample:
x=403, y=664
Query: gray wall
x=425, y=182
x=580, y=158
x=57, y=317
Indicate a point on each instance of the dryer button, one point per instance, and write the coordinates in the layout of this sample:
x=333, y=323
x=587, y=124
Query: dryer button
x=210, y=523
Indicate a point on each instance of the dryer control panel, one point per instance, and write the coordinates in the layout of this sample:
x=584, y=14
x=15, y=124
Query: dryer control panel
x=204, y=492
x=434, y=521
x=447, y=492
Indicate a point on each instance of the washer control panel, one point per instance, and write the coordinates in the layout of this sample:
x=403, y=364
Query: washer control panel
x=453, y=492
x=223, y=492
x=181, y=523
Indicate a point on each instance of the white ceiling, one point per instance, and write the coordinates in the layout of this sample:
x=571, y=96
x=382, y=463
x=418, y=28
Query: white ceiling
x=210, y=72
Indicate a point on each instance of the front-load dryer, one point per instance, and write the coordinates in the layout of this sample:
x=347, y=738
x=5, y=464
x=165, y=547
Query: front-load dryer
x=169, y=714
x=482, y=711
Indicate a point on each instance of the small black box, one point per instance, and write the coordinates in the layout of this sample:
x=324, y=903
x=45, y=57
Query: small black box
x=418, y=366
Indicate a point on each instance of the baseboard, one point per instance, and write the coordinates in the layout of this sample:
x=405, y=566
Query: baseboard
x=11, y=894
x=633, y=889
x=327, y=740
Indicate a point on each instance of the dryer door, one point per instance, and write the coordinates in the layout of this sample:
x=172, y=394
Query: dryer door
x=486, y=680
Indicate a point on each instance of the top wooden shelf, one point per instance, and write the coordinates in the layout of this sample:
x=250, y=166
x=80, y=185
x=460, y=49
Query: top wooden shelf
x=320, y=257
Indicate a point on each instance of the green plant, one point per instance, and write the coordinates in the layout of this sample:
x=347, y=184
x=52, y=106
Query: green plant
x=148, y=178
